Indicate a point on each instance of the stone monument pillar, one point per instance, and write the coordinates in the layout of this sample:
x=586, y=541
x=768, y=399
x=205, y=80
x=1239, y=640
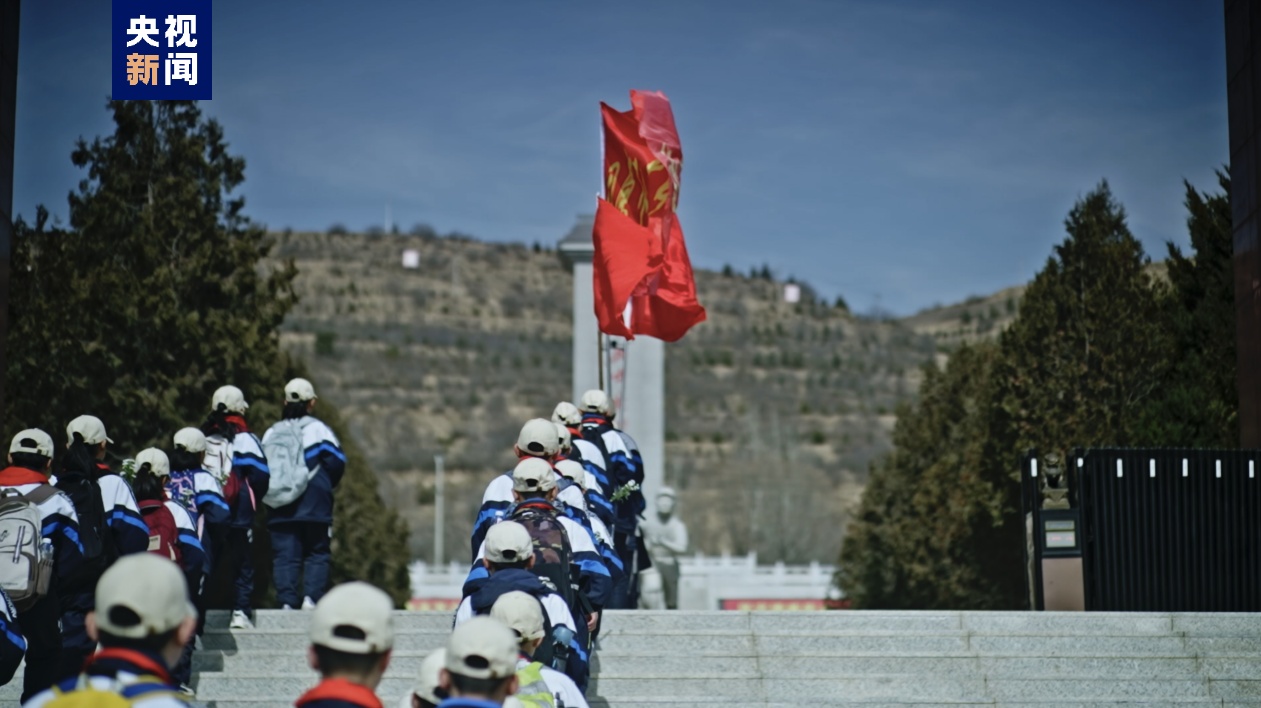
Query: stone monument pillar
x=639, y=394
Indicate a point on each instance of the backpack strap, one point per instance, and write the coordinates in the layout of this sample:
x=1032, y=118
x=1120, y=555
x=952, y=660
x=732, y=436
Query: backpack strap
x=40, y=494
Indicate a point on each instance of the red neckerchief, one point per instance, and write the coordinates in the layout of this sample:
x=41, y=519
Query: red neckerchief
x=239, y=422
x=150, y=504
x=341, y=690
x=17, y=476
x=594, y=419
x=575, y=431
x=135, y=658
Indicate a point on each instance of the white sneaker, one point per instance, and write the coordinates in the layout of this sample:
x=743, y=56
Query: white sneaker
x=240, y=620
x=308, y=603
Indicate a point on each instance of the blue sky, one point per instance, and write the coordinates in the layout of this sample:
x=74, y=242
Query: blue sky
x=904, y=153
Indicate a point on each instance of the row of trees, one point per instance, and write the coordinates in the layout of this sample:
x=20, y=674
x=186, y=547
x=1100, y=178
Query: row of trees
x=154, y=295
x=1103, y=352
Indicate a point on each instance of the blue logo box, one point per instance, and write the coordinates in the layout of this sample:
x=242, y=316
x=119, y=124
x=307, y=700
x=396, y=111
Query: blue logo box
x=161, y=50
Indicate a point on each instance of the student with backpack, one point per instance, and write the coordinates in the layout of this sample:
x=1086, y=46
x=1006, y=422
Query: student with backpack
x=40, y=553
x=583, y=451
x=537, y=440
x=598, y=504
x=168, y=520
x=510, y=562
x=110, y=526
x=538, y=685
x=575, y=474
x=307, y=464
x=245, y=483
x=142, y=620
x=626, y=474
x=564, y=551
x=198, y=491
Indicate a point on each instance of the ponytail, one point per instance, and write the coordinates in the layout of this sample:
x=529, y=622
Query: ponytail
x=182, y=460
x=217, y=423
x=146, y=485
x=294, y=410
x=78, y=459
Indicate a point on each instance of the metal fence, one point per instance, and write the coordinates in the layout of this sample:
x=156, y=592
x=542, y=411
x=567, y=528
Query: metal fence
x=1163, y=530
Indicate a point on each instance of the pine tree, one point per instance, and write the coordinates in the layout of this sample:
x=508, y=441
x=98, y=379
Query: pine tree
x=933, y=530
x=153, y=297
x=1089, y=349
x=1198, y=406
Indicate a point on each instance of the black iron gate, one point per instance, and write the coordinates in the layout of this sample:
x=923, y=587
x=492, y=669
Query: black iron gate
x=1160, y=530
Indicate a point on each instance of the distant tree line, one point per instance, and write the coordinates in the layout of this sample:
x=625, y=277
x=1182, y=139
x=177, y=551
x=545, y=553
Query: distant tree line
x=1102, y=352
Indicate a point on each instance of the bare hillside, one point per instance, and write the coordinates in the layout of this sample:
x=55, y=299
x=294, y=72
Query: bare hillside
x=773, y=411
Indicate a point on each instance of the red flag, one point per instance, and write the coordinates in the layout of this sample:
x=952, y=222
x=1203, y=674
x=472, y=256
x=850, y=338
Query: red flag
x=640, y=254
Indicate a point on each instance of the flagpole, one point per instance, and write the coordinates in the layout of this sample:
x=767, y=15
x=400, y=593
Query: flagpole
x=599, y=334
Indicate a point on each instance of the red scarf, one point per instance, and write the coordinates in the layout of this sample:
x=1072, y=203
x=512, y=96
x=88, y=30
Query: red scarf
x=144, y=664
x=239, y=422
x=336, y=689
x=17, y=476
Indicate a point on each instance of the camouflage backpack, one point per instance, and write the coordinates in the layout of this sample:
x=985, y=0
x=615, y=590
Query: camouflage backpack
x=553, y=557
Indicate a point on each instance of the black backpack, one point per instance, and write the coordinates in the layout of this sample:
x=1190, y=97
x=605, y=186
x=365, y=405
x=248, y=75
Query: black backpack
x=99, y=549
x=553, y=556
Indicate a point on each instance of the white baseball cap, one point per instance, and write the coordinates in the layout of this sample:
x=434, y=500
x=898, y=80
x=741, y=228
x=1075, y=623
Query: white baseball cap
x=594, y=401
x=533, y=475
x=90, y=427
x=573, y=471
x=232, y=399
x=299, y=390
x=157, y=460
x=521, y=612
x=508, y=542
x=190, y=439
x=355, y=618
x=566, y=413
x=429, y=676
x=564, y=440
x=538, y=438
x=32, y=441
x=482, y=647
x=141, y=595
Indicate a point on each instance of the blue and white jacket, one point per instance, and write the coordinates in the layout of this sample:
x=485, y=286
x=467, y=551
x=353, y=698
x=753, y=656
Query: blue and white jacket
x=200, y=495
x=122, y=513
x=60, y=526
x=497, y=499
x=249, y=462
x=592, y=462
x=594, y=575
x=193, y=560
x=322, y=451
x=555, y=611
x=625, y=465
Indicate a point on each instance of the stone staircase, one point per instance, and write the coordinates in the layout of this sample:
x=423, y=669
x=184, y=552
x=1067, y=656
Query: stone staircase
x=669, y=659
